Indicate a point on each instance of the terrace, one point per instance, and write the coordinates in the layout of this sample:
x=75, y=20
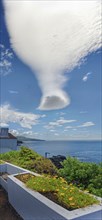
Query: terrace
x=32, y=205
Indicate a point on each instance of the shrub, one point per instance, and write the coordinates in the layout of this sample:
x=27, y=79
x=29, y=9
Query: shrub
x=43, y=165
x=57, y=189
x=2, y=162
x=30, y=160
x=86, y=175
x=11, y=157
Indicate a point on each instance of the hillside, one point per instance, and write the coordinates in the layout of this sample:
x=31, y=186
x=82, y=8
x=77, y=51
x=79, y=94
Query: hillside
x=22, y=138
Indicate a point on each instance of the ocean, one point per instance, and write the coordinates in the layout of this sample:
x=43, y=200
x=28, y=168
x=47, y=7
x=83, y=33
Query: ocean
x=89, y=151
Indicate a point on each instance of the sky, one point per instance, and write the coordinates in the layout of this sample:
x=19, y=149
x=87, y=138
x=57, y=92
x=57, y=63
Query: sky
x=50, y=69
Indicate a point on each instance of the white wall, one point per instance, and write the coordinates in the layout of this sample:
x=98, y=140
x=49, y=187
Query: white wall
x=8, y=143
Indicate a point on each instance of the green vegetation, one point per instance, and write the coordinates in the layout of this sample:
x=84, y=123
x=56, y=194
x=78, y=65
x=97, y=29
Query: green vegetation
x=85, y=175
x=2, y=162
x=57, y=189
x=30, y=160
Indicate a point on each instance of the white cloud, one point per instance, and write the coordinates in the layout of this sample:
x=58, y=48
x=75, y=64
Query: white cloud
x=52, y=36
x=3, y=124
x=52, y=130
x=86, y=124
x=28, y=133
x=25, y=120
x=15, y=132
x=56, y=134
x=83, y=112
x=65, y=130
x=5, y=60
x=13, y=92
x=68, y=127
x=61, y=113
x=2, y=46
x=43, y=116
x=86, y=76
x=58, y=123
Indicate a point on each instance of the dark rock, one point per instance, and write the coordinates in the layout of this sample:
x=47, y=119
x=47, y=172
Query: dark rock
x=56, y=160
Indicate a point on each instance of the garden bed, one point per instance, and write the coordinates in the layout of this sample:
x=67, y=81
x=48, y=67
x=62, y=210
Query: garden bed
x=57, y=190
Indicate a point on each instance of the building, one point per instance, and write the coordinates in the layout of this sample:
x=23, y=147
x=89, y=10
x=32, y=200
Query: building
x=7, y=140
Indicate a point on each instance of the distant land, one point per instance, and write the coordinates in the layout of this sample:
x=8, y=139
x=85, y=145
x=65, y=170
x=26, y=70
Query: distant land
x=21, y=139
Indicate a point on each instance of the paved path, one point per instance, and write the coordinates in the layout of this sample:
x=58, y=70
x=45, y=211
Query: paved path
x=6, y=210
x=93, y=216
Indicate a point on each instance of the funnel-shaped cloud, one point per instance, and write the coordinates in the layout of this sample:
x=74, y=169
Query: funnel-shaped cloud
x=52, y=36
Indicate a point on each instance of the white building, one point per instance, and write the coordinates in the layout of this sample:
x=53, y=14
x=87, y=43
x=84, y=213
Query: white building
x=7, y=140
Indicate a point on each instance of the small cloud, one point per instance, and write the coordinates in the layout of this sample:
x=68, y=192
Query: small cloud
x=86, y=124
x=56, y=134
x=2, y=46
x=15, y=132
x=3, y=124
x=68, y=127
x=86, y=76
x=60, y=113
x=83, y=112
x=13, y=92
x=52, y=130
x=60, y=122
x=23, y=133
x=65, y=130
x=5, y=60
x=43, y=116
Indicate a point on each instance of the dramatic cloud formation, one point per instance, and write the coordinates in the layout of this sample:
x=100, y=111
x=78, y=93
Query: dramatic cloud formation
x=6, y=57
x=51, y=37
x=25, y=120
x=86, y=76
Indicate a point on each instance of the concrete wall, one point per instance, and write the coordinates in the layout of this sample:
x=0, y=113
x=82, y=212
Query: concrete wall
x=8, y=143
x=4, y=183
x=12, y=169
x=3, y=168
x=30, y=204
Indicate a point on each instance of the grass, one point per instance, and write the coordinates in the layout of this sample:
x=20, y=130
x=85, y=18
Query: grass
x=30, y=160
x=2, y=162
x=86, y=176
x=57, y=190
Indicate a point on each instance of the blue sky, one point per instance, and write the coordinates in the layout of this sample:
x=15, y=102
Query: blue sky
x=21, y=95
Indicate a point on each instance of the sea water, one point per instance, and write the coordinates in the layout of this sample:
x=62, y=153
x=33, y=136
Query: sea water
x=89, y=151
